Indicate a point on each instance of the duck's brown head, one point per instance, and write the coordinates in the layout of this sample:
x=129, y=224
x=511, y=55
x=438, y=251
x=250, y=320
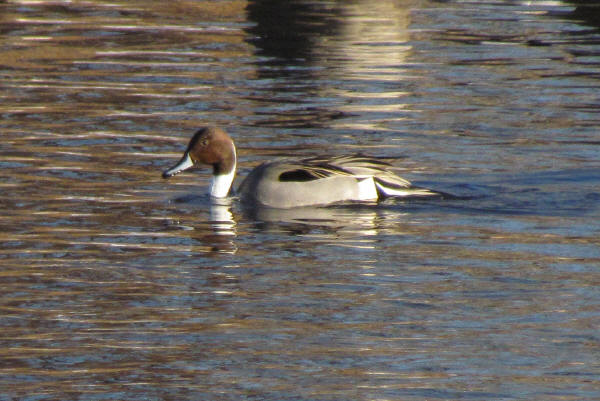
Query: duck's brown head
x=210, y=146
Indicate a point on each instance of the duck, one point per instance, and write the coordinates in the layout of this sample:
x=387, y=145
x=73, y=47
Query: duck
x=289, y=183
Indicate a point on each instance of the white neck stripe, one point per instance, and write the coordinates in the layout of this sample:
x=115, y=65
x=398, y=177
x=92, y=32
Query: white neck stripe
x=221, y=184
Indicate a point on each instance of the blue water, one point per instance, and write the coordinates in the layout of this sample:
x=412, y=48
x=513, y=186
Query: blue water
x=117, y=284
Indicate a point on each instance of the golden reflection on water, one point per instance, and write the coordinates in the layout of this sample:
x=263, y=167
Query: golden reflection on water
x=371, y=46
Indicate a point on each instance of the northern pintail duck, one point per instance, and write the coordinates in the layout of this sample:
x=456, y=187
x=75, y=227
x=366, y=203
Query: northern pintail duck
x=293, y=183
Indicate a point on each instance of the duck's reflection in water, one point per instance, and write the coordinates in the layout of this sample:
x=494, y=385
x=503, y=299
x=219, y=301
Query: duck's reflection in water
x=362, y=220
x=221, y=217
x=357, y=224
x=223, y=225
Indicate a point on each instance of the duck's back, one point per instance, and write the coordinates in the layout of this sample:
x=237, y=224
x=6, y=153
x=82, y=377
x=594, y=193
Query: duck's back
x=290, y=184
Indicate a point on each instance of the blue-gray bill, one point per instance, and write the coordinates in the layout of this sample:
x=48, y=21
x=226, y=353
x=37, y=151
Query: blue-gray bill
x=183, y=164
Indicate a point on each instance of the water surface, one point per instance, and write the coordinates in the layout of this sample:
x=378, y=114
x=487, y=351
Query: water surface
x=117, y=284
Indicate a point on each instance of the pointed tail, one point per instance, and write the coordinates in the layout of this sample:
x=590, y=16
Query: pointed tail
x=386, y=189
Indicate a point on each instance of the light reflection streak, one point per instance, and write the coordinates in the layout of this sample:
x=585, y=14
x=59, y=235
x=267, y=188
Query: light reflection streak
x=150, y=53
x=177, y=28
x=371, y=49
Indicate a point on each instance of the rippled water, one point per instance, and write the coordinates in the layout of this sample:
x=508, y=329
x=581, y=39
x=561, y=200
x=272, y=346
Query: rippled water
x=118, y=285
